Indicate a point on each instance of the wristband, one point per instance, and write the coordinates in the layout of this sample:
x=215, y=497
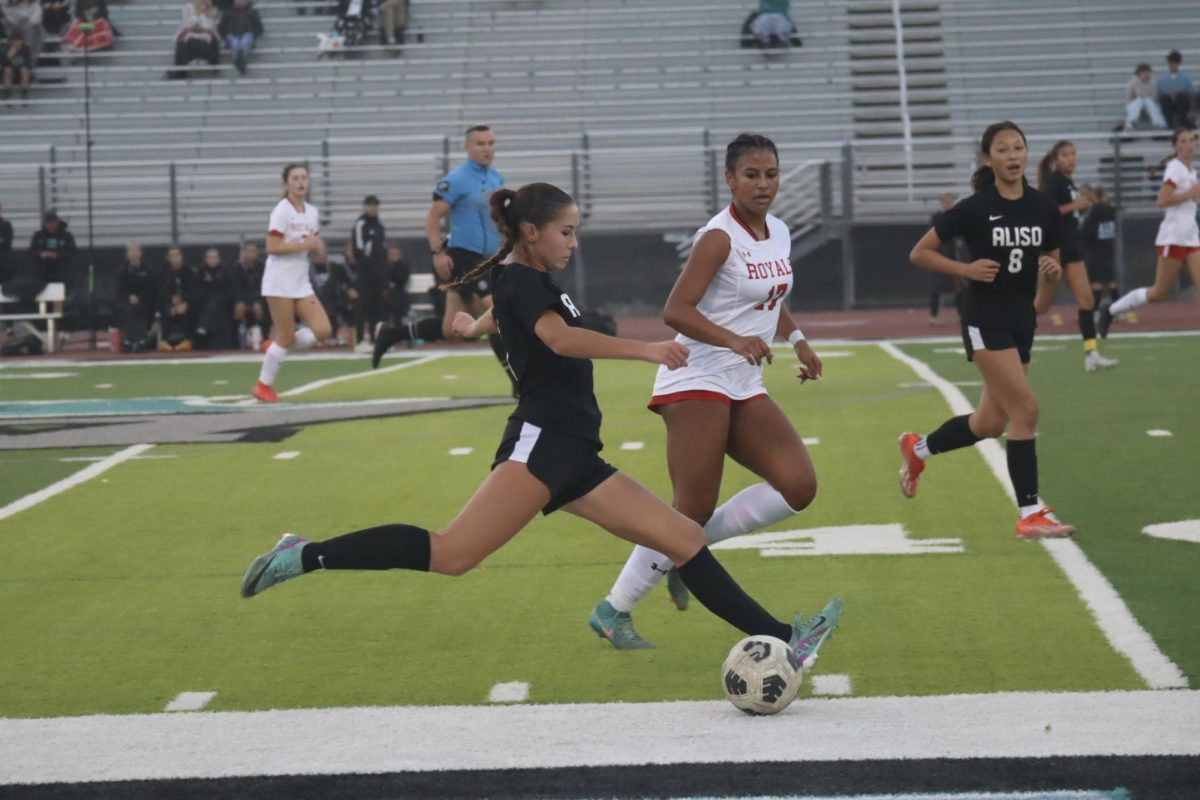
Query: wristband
x=795, y=336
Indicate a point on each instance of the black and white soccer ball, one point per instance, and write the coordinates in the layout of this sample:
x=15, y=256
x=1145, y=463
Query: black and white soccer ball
x=759, y=677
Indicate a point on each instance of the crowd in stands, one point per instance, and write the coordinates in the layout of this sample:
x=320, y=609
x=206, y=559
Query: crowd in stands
x=206, y=24
x=25, y=24
x=1169, y=103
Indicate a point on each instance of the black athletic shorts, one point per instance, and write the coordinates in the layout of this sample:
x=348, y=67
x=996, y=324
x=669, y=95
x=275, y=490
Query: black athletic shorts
x=1100, y=268
x=570, y=466
x=1070, y=250
x=997, y=337
x=464, y=262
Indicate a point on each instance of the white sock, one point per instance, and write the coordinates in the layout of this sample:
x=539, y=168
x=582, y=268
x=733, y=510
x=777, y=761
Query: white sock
x=305, y=339
x=752, y=508
x=272, y=361
x=922, y=449
x=1129, y=302
x=641, y=573
x=1030, y=510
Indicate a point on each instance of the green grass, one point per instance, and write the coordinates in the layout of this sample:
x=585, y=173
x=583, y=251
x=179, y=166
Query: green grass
x=118, y=595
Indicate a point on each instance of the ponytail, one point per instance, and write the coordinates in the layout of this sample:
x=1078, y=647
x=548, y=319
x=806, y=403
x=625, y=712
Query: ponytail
x=1046, y=165
x=984, y=177
x=535, y=203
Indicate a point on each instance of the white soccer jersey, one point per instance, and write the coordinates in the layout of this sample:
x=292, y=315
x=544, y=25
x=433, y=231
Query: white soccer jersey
x=1179, y=222
x=287, y=276
x=746, y=296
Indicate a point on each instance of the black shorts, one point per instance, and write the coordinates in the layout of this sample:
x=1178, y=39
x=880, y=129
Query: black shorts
x=997, y=337
x=570, y=466
x=1070, y=251
x=1100, y=268
x=464, y=262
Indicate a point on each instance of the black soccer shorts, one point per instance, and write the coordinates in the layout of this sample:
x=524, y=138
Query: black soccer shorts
x=997, y=337
x=570, y=466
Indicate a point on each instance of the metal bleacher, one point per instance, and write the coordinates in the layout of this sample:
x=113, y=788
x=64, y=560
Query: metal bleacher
x=628, y=102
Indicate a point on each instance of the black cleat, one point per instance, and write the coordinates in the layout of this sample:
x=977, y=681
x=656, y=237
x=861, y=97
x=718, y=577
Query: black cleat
x=385, y=336
x=1105, y=322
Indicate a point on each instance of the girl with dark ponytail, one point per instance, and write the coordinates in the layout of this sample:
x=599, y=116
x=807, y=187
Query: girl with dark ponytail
x=1013, y=233
x=1055, y=173
x=549, y=455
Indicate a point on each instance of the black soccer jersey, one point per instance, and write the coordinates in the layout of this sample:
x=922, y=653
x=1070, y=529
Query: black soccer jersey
x=555, y=391
x=1062, y=191
x=1014, y=234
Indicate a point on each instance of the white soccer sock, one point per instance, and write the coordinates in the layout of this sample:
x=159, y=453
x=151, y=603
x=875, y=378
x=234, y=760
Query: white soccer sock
x=922, y=448
x=272, y=361
x=305, y=339
x=1129, y=302
x=641, y=573
x=752, y=508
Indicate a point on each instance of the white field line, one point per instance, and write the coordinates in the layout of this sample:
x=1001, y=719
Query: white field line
x=286, y=455
x=838, y=685
x=71, y=481
x=72, y=459
x=353, y=376
x=190, y=701
x=524, y=735
x=632, y=445
x=1113, y=617
x=512, y=692
x=461, y=451
x=1158, y=432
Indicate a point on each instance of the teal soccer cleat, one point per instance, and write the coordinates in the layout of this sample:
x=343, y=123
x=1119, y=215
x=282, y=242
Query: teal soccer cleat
x=808, y=635
x=281, y=564
x=617, y=627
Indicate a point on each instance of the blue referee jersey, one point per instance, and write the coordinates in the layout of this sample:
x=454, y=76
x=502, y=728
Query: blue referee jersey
x=468, y=189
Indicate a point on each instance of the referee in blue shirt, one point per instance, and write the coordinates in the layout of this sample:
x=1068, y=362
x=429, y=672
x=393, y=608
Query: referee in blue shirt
x=462, y=194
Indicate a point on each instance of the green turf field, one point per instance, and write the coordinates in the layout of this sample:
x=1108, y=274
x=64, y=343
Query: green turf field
x=122, y=592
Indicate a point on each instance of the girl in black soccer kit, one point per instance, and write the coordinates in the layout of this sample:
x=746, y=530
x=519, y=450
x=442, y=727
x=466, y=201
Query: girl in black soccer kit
x=1054, y=178
x=549, y=456
x=1013, y=233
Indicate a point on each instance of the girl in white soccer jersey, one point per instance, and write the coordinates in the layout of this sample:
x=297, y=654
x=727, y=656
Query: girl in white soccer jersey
x=1178, y=240
x=728, y=304
x=292, y=235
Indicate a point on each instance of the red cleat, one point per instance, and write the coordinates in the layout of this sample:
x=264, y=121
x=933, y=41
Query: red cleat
x=266, y=345
x=912, y=467
x=264, y=393
x=1043, y=525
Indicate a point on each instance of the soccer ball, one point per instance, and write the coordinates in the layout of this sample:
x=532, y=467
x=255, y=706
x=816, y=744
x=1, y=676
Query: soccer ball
x=758, y=677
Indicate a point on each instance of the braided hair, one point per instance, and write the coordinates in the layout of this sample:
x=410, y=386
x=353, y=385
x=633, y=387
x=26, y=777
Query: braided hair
x=536, y=203
x=744, y=143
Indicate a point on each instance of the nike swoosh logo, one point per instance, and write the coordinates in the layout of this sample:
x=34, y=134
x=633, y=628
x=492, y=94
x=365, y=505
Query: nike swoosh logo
x=993, y=219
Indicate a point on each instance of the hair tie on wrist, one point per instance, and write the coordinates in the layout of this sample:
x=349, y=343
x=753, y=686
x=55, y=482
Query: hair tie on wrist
x=795, y=336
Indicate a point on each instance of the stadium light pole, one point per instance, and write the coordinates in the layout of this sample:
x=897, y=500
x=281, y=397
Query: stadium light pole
x=86, y=29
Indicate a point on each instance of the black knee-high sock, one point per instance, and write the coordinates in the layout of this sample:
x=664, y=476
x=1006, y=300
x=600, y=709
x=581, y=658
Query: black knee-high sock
x=1022, y=471
x=1096, y=295
x=1087, y=325
x=935, y=304
x=427, y=328
x=384, y=547
x=720, y=594
x=1114, y=294
x=954, y=433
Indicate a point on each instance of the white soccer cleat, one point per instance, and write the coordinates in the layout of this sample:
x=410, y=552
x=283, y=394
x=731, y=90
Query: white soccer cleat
x=1094, y=361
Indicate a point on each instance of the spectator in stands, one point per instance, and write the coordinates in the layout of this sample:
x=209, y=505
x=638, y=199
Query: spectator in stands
x=241, y=26
x=368, y=255
x=249, y=308
x=16, y=65
x=396, y=295
x=214, y=304
x=197, y=41
x=137, y=298
x=1141, y=97
x=6, y=252
x=1175, y=93
x=393, y=20
x=24, y=18
x=179, y=286
x=772, y=25
x=55, y=16
x=52, y=248
x=100, y=37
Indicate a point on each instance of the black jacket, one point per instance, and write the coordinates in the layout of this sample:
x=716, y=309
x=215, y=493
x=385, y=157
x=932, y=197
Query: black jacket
x=237, y=21
x=370, y=249
x=6, y=257
x=141, y=282
x=60, y=242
